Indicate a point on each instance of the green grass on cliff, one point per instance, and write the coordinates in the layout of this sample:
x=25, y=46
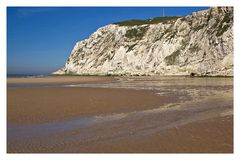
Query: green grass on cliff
x=136, y=32
x=147, y=21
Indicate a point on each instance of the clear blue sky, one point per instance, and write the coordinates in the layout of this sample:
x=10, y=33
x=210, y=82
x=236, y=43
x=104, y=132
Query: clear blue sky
x=40, y=39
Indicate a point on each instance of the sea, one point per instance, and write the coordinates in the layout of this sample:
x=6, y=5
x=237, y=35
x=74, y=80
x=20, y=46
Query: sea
x=25, y=75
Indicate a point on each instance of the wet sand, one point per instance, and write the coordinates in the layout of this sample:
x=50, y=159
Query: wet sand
x=59, y=79
x=120, y=114
x=38, y=105
x=207, y=136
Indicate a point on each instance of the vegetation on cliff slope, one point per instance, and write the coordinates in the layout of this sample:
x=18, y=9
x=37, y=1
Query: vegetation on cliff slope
x=136, y=32
x=147, y=21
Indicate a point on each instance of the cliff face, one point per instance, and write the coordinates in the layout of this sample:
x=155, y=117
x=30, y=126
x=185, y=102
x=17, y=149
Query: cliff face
x=200, y=43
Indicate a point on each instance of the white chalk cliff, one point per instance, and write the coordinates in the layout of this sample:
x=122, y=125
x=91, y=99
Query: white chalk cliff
x=200, y=44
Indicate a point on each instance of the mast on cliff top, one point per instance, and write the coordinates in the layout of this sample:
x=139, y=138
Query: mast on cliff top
x=163, y=13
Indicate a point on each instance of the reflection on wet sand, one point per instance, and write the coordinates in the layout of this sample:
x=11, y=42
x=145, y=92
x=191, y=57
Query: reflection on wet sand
x=121, y=114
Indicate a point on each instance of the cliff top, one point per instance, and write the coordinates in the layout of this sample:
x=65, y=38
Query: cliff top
x=155, y=20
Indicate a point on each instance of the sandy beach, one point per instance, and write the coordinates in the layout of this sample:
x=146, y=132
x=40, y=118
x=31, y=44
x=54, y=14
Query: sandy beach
x=207, y=136
x=38, y=105
x=74, y=114
x=59, y=80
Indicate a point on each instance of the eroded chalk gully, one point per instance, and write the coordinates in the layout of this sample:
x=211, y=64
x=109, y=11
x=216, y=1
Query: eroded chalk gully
x=207, y=101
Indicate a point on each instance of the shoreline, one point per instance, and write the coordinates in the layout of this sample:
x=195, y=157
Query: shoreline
x=120, y=75
x=72, y=79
